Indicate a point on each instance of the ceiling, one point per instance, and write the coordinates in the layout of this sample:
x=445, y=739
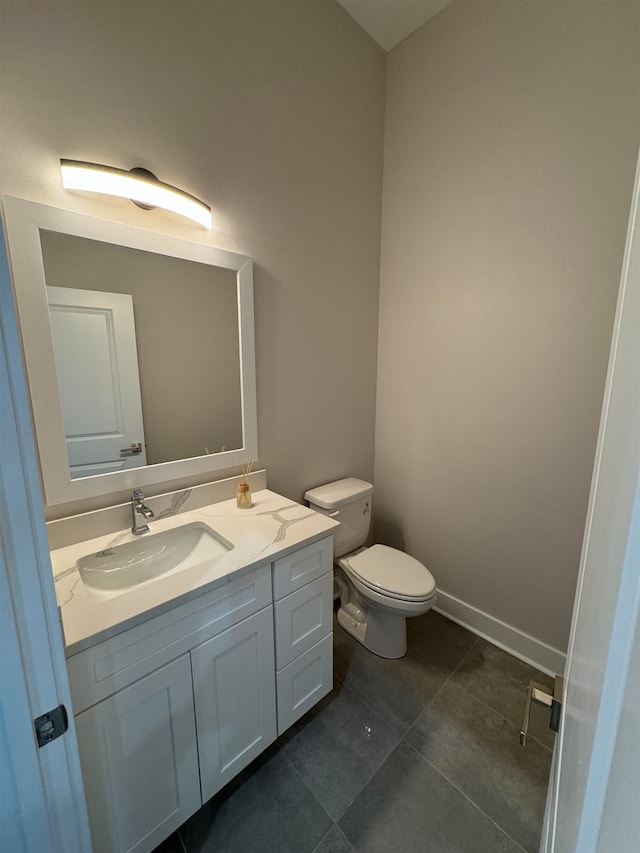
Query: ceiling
x=391, y=21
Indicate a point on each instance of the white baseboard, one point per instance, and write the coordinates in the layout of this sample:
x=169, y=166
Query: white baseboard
x=512, y=640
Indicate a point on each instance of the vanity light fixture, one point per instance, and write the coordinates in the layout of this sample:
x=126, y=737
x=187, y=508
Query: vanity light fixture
x=139, y=185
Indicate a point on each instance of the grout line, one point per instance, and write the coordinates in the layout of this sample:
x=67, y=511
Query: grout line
x=455, y=669
x=373, y=710
x=466, y=796
x=304, y=782
x=438, y=691
x=182, y=844
x=324, y=837
x=373, y=772
x=467, y=653
x=444, y=683
x=404, y=733
x=343, y=834
x=486, y=704
x=500, y=714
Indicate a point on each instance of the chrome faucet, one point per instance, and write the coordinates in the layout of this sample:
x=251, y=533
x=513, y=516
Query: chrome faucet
x=138, y=508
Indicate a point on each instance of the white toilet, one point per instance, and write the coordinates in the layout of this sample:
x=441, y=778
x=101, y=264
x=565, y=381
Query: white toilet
x=378, y=586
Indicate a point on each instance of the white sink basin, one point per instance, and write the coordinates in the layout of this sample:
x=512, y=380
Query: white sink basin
x=151, y=556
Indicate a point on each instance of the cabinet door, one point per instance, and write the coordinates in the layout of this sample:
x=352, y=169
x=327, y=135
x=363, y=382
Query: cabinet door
x=234, y=692
x=139, y=761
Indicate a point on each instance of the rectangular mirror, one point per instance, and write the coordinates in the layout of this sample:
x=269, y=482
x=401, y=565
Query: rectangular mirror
x=139, y=351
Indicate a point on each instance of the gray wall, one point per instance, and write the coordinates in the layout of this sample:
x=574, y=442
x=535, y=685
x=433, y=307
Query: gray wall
x=512, y=132
x=272, y=113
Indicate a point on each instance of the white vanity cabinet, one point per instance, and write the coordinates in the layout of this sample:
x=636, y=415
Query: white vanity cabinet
x=151, y=754
x=170, y=710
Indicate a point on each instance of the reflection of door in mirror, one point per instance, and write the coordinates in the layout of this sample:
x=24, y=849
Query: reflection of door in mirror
x=94, y=344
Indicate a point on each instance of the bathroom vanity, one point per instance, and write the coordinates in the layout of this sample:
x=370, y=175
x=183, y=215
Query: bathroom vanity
x=181, y=681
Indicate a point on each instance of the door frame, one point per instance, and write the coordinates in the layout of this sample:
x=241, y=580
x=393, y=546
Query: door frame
x=597, y=674
x=46, y=807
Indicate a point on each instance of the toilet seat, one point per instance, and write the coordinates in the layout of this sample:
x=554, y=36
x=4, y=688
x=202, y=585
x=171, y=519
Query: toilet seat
x=392, y=573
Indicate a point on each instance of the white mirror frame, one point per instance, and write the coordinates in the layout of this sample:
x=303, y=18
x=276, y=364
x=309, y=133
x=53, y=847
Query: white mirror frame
x=23, y=222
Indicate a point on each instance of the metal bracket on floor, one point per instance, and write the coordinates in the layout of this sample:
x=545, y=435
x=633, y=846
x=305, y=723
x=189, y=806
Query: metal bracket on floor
x=539, y=693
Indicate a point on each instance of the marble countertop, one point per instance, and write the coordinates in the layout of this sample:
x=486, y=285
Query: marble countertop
x=273, y=527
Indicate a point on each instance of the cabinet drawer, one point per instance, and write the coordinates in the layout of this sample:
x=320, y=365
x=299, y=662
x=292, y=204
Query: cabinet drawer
x=303, y=618
x=304, y=565
x=304, y=682
x=111, y=665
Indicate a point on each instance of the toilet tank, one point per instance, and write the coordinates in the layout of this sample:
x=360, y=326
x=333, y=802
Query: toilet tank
x=349, y=502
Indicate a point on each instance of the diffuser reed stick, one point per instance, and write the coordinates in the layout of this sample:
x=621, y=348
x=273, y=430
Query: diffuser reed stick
x=243, y=497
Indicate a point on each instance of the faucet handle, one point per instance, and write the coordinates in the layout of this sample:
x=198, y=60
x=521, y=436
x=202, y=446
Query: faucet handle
x=138, y=507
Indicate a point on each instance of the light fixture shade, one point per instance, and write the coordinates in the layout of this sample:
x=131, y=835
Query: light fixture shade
x=142, y=189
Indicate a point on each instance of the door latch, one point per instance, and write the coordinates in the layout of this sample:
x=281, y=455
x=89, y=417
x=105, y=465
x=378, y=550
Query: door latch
x=136, y=447
x=539, y=693
x=51, y=725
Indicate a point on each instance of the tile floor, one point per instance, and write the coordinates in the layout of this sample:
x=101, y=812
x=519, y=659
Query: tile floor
x=414, y=755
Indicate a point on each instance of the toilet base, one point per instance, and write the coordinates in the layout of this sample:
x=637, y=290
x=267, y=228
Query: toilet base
x=383, y=633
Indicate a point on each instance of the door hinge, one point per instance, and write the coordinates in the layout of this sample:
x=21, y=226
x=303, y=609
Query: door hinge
x=51, y=725
x=539, y=693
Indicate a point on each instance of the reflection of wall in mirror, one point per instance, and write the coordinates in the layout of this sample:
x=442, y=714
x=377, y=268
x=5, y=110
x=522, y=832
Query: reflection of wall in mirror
x=186, y=317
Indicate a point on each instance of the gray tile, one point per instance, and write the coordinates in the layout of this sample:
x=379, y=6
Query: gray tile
x=409, y=806
x=267, y=809
x=398, y=690
x=337, y=748
x=439, y=638
x=501, y=680
x=334, y=842
x=172, y=844
x=479, y=751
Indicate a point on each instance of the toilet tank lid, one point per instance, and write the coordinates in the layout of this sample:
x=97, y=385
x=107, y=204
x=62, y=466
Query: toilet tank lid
x=338, y=493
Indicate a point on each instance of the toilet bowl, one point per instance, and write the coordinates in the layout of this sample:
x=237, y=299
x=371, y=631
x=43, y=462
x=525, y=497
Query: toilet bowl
x=379, y=587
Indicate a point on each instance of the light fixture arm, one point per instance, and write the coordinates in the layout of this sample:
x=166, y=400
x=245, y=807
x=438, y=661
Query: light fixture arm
x=146, y=175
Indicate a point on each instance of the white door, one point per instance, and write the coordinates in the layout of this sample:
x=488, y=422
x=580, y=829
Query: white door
x=235, y=698
x=94, y=342
x=140, y=761
x=42, y=807
x=593, y=803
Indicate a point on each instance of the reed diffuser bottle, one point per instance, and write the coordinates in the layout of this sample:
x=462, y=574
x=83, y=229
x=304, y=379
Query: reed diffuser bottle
x=243, y=496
